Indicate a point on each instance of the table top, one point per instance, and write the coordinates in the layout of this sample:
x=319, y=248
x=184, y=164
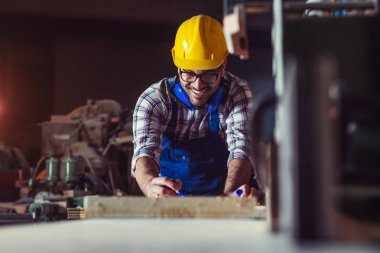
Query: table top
x=157, y=235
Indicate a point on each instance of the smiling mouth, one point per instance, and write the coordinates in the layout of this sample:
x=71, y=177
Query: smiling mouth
x=199, y=93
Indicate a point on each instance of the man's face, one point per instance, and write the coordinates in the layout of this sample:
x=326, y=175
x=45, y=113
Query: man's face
x=200, y=84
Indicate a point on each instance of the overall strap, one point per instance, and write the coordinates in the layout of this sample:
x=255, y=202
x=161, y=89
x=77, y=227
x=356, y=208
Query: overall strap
x=213, y=125
x=173, y=119
x=215, y=100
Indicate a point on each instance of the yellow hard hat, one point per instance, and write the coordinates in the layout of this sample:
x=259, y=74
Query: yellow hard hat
x=199, y=44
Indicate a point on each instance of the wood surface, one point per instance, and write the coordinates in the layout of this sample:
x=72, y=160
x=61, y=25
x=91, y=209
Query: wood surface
x=188, y=207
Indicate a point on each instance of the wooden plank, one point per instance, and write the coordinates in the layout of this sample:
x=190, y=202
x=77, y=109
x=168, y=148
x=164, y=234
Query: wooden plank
x=188, y=207
x=19, y=208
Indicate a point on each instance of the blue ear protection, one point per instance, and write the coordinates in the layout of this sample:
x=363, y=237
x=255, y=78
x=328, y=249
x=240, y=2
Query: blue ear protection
x=215, y=100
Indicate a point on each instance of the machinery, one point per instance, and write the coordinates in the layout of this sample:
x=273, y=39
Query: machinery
x=13, y=168
x=85, y=152
x=74, y=149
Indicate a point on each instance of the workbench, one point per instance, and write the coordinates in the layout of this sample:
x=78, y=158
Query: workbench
x=157, y=235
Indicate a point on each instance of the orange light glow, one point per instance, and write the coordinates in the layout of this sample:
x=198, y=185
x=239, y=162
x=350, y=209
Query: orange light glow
x=2, y=108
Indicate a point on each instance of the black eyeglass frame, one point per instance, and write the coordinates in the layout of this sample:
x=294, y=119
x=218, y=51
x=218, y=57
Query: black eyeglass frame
x=215, y=72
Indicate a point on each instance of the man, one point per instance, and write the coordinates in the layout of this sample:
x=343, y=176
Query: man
x=191, y=131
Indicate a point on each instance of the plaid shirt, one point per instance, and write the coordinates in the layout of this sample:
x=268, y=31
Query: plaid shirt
x=154, y=109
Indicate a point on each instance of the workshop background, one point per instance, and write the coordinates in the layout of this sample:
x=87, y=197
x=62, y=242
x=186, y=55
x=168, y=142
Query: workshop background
x=71, y=72
x=56, y=55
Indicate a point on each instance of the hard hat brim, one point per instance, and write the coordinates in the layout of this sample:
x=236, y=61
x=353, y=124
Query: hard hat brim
x=198, y=64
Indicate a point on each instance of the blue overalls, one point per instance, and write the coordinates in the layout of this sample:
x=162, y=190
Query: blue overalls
x=201, y=163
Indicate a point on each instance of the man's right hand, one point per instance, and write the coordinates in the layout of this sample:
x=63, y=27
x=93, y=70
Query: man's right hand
x=152, y=185
x=161, y=187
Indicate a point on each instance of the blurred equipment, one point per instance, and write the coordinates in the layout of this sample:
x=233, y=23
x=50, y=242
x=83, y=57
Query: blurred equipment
x=13, y=169
x=327, y=124
x=11, y=158
x=84, y=153
x=235, y=31
x=238, y=18
x=79, y=151
x=44, y=211
x=337, y=172
x=239, y=9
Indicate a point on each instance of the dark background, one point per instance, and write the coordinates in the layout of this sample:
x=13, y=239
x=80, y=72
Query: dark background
x=54, y=55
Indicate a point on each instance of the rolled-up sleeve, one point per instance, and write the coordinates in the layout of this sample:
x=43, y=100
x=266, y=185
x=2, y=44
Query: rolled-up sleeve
x=149, y=122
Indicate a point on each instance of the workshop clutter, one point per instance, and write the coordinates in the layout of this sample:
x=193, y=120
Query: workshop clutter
x=86, y=152
x=79, y=151
x=13, y=168
x=69, y=173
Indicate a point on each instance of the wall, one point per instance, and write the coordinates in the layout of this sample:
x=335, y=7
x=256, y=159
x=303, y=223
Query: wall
x=116, y=61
